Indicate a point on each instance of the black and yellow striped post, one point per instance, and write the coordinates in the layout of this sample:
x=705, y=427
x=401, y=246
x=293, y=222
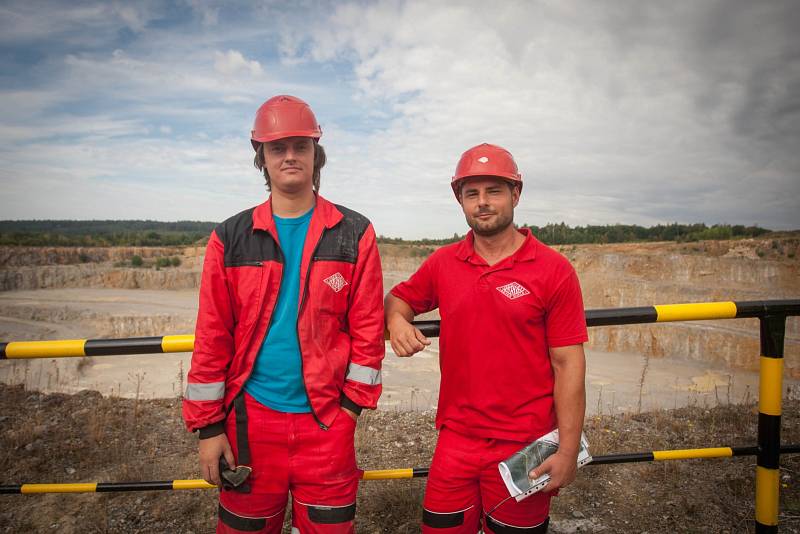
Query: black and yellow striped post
x=770, y=390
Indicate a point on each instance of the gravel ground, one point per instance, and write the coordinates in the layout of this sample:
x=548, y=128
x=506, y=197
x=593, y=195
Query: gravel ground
x=87, y=437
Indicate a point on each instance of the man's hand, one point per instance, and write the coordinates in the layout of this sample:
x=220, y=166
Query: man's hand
x=562, y=467
x=211, y=449
x=405, y=338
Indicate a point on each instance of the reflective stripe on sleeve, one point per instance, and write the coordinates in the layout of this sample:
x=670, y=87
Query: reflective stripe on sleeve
x=205, y=392
x=363, y=374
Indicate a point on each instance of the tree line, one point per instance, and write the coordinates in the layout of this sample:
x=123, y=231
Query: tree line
x=106, y=233
x=563, y=234
x=38, y=233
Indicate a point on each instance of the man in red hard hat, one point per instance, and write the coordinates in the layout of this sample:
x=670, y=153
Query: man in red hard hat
x=288, y=342
x=511, y=354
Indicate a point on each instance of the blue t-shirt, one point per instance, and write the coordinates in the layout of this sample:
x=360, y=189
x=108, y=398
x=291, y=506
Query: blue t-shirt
x=277, y=378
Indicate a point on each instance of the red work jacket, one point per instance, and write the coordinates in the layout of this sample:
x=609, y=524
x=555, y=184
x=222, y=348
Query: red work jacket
x=339, y=322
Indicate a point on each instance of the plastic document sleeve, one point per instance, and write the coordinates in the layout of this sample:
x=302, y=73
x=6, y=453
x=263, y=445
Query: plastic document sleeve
x=514, y=470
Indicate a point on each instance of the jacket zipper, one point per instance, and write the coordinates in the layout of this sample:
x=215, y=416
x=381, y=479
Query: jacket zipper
x=253, y=263
x=260, y=313
x=322, y=425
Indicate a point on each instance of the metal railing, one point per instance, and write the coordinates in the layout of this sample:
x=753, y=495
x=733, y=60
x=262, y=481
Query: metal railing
x=771, y=314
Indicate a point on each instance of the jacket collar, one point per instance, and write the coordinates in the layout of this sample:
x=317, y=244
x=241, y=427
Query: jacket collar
x=325, y=212
x=526, y=252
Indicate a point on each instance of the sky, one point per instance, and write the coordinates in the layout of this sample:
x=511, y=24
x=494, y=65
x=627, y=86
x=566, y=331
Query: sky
x=629, y=112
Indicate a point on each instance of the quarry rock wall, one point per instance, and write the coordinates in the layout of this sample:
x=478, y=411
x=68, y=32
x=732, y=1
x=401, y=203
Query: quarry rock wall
x=618, y=275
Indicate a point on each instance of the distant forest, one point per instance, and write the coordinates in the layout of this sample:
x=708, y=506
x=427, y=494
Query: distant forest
x=563, y=234
x=103, y=233
x=156, y=233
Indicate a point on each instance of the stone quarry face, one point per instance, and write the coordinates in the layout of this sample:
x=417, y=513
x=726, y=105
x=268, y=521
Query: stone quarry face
x=62, y=293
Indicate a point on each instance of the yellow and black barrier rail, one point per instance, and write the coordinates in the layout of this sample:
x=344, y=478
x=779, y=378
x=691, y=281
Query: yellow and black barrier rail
x=771, y=314
x=381, y=474
x=68, y=348
x=603, y=317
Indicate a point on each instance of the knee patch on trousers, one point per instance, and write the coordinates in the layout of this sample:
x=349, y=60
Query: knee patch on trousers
x=240, y=523
x=501, y=528
x=330, y=515
x=442, y=520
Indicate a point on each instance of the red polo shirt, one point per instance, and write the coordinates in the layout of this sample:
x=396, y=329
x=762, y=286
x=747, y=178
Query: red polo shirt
x=497, y=324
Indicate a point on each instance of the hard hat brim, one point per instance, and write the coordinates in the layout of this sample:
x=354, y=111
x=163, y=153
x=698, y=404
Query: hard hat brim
x=256, y=139
x=515, y=179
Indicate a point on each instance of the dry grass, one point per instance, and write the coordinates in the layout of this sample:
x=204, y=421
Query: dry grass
x=86, y=437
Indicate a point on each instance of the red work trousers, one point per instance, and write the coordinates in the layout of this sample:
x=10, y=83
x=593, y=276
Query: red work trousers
x=291, y=453
x=464, y=484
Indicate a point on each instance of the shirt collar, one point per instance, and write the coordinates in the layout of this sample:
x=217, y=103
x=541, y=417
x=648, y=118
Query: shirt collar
x=526, y=252
x=327, y=213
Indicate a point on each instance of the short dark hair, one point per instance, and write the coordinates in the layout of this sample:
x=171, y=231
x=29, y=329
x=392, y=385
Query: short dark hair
x=319, y=162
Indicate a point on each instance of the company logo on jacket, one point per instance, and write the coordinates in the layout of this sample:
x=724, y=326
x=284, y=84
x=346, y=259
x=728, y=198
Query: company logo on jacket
x=336, y=282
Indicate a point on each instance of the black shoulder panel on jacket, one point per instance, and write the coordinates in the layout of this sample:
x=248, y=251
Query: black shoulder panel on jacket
x=340, y=243
x=243, y=246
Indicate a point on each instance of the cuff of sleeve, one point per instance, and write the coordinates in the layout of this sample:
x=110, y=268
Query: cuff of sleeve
x=214, y=429
x=350, y=405
x=567, y=341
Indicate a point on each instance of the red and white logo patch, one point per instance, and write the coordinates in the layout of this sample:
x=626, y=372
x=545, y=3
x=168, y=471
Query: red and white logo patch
x=513, y=290
x=336, y=282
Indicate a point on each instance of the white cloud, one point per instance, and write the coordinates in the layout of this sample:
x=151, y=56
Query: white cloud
x=165, y=179
x=232, y=62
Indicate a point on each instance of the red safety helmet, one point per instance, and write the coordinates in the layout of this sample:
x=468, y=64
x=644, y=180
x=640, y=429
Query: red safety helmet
x=486, y=160
x=284, y=116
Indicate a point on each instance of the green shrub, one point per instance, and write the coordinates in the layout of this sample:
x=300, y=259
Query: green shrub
x=176, y=261
x=163, y=262
x=136, y=260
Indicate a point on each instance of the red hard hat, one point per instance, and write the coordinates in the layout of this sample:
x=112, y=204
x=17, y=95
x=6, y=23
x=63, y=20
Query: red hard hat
x=284, y=116
x=486, y=160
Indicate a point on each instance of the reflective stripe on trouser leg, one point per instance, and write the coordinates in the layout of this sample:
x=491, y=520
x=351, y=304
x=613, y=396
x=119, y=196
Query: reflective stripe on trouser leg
x=317, y=519
x=231, y=523
x=445, y=519
x=327, y=515
x=496, y=527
